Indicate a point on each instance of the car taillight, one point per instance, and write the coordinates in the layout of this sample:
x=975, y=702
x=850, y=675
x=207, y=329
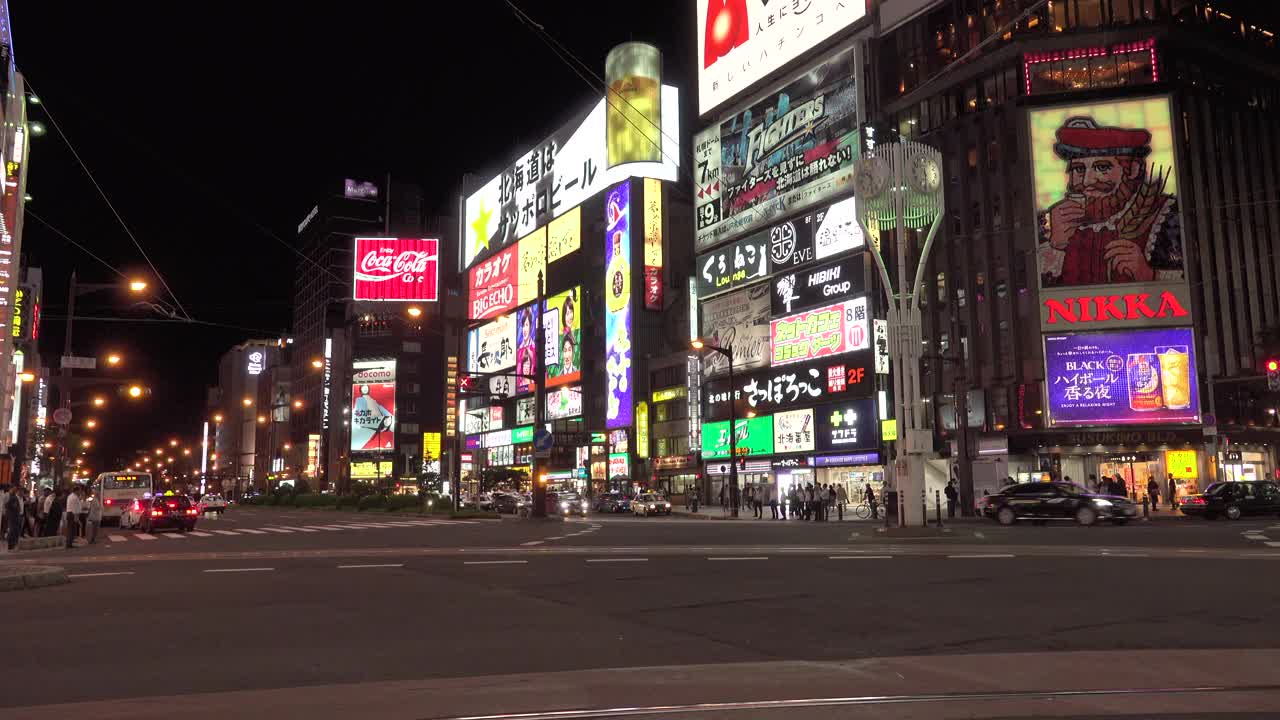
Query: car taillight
x=157, y=513
x=1195, y=501
x=191, y=512
x=173, y=504
x=108, y=501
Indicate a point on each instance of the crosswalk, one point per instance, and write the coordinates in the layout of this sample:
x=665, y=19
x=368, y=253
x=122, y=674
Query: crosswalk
x=285, y=530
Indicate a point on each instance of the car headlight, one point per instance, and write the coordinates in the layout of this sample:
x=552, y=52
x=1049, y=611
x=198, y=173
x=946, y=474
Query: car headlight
x=564, y=506
x=1101, y=502
x=653, y=506
x=668, y=504
x=584, y=504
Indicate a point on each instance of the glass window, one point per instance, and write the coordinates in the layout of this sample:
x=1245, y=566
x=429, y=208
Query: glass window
x=1058, y=14
x=660, y=412
x=942, y=289
x=1088, y=13
x=989, y=91
x=1137, y=67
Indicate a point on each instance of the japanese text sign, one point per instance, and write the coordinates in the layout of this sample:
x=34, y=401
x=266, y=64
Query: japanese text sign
x=754, y=437
x=617, y=293
x=830, y=330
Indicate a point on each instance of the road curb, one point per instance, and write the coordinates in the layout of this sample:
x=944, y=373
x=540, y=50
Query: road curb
x=32, y=577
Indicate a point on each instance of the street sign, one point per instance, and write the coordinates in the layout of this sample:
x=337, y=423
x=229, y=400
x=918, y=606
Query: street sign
x=572, y=439
x=542, y=443
x=62, y=416
x=74, y=362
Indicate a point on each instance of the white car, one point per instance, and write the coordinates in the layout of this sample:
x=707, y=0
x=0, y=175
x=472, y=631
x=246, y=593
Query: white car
x=212, y=503
x=650, y=504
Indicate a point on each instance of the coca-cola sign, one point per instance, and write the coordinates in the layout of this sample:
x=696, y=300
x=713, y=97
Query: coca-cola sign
x=397, y=269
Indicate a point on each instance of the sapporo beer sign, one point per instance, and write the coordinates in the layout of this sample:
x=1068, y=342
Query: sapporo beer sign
x=816, y=381
x=798, y=290
x=405, y=269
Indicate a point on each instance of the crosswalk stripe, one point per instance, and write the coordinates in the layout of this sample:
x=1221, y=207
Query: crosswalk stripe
x=299, y=529
x=174, y=536
x=145, y=536
x=357, y=527
x=251, y=531
x=117, y=538
x=197, y=533
x=226, y=532
x=322, y=527
x=334, y=527
x=278, y=530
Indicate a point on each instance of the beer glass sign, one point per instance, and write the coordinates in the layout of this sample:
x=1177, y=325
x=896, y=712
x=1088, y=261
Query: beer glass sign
x=1122, y=378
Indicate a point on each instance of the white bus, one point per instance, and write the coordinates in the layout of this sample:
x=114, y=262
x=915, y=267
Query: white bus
x=117, y=490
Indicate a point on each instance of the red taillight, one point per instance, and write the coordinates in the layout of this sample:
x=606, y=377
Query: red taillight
x=173, y=504
x=157, y=513
x=191, y=512
x=108, y=501
x=1194, y=501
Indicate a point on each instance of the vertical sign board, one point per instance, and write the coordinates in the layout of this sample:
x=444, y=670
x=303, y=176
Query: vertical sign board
x=373, y=404
x=617, y=294
x=652, y=244
x=642, y=429
x=562, y=325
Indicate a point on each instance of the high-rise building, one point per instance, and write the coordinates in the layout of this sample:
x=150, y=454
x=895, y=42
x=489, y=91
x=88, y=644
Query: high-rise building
x=1103, y=296
x=240, y=372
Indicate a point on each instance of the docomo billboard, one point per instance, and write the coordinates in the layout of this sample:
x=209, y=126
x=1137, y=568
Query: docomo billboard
x=1139, y=377
x=373, y=405
x=397, y=269
x=741, y=42
x=791, y=150
x=558, y=174
x=825, y=331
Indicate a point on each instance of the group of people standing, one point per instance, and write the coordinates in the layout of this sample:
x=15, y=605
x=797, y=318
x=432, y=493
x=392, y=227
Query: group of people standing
x=814, y=501
x=1117, y=486
x=49, y=513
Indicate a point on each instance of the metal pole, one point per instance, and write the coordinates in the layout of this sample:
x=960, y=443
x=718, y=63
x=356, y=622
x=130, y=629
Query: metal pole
x=59, y=467
x=539, y=495
x=733, y=439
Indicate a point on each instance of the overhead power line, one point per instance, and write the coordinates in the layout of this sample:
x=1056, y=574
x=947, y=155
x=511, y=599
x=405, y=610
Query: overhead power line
x=64, y=236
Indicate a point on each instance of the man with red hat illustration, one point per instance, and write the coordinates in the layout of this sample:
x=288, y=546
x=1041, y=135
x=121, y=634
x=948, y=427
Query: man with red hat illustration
x=1116, y=223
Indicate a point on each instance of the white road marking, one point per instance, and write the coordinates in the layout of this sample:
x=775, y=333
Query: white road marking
x=755, y=557
x=1272, y=544
x=226, y=532
x=356, y=527
x=1124, y=554
x=495, y=562
x=197, y=533
x=230, y=570
x=174, y=536
x=982, y=555
x=251, y=531
x=557, y=537
x=145, y=536
x=280, y=531
x=117, y=538
x=323, y=527
x=105, y=574
x=859, y=557
x=1189, y=550
x=532, y=542
x=612, y=560
x=373, y=565
x=299, y=529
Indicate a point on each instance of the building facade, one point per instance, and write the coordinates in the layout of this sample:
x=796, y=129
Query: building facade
x=1102, y=298
x=240, y=372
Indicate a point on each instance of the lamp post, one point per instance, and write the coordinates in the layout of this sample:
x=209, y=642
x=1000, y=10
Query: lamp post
x=733, y=423
x=899, y=187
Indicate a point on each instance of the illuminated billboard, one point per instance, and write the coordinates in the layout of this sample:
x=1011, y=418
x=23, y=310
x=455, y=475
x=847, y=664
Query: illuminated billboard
x=526, y=349
x=825, y=331
x=772, y=388
x=754, y=437
x=373, y=404
x=403, y=269
x=652, y=244
x=617, y=294
x=1110, y=248
x=849, y=425
x=741, y=42
x=562, y=326
x=492, y=346
x=564, y=402
x=1138, y=377
x=801, y=289
x=556, y=175
x=739, y=322
x=793, y=431
x=508, y=279
x=791, y=150
x=564, y=235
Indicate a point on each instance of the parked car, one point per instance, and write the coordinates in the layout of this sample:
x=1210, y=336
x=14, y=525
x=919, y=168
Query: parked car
x=508, y=502
x=1233, y=500
x=211, y=502
x=614, y=502
x=566, y=503
x=650, y=504
x=171, y=512
x=1039, y=501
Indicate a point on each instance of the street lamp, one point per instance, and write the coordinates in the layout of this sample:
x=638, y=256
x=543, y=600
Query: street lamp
x=317, y=363
x=137, y=286
x=247, y=401
x=99, y=401
x=217, y=417
x=91, y=423
x=113, y=359
x=27, y=377
x=135, y=391
x=698, y=344
x=414, y=311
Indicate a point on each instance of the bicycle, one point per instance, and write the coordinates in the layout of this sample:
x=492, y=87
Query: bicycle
x=862, y=511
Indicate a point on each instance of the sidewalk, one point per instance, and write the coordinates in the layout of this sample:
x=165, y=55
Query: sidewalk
x=715, y=513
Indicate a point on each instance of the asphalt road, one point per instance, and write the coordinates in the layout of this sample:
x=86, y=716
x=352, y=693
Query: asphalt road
x=204, y=616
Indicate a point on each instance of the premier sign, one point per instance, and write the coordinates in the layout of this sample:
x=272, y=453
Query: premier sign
x=1148, y=305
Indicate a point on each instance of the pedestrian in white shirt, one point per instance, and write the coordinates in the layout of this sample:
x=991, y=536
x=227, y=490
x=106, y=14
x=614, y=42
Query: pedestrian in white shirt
x=842, y=497
x=94, y=518
x=72, y=516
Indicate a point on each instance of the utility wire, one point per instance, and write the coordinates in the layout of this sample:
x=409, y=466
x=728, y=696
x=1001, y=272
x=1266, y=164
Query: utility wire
x=167, y=320
x=64, y=236
x=45, y=104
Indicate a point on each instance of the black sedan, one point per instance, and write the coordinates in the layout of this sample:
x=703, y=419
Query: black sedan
x=1056, y=501
x=1233, y=500
x=613, y=503
x=168, y=512
x=508, y=503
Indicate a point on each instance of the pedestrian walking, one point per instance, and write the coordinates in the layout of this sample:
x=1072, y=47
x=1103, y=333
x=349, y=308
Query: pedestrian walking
x=842, y=497
x=1153, y=493
x=73, y=507
x=724, y=506
x=53, y=506
x=953, y=497
x=13, y=515
x=1173, y=493
x=1093, y=483
x=773, y=500
x=870, y=496
x=93, y=519
x=831, y=499
x=793, y=502
x=691, y=498
x=761, y=490
x=42, y=510
x=29, y=503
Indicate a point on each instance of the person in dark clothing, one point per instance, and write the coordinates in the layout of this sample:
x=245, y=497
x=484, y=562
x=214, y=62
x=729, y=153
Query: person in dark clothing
x=53, y=518
x=1172, y=495
x=1153, y=493
x=13, y=515
x=953, y=497
x=870, y=495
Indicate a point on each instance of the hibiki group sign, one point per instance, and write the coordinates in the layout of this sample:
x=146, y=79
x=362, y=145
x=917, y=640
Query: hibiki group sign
x=551, y=178
x=793, y=149
x=397, y=269
x=830, y=330
x=798, y=290
x=373, y=404
x=742, y=41
x=1122, y=378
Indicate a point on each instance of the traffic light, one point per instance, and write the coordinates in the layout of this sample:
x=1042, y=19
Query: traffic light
x=1273, y=374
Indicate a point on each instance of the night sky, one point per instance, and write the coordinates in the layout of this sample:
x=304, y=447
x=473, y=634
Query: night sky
x=212, y=132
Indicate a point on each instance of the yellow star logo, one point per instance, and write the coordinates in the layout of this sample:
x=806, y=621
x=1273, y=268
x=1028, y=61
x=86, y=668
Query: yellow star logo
x=480, y=226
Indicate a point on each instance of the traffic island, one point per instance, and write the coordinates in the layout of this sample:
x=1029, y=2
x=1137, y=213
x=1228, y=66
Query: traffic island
x=30, y=577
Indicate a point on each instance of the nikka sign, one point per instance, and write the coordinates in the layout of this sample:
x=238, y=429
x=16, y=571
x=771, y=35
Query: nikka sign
x=397, y=269
x=1125, y=306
